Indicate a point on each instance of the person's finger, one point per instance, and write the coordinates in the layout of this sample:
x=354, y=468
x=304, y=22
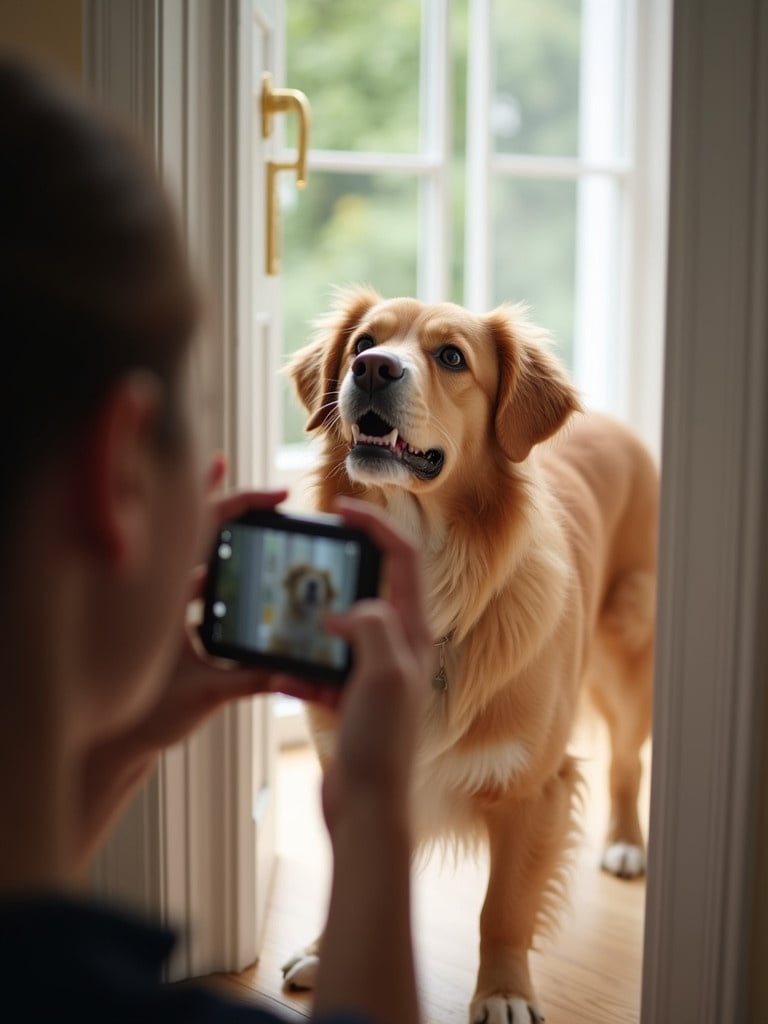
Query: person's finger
x=375, y=633
x=230, y=683
x=216, y=473
x=197, y=582
x=235, y=504
x=245, y=682
x=230, y=508
x=327, y=694
x=402, y=565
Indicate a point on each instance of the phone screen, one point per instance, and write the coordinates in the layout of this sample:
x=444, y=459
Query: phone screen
x=270, y=587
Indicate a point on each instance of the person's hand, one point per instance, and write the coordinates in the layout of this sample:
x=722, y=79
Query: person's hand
x=381, y=704
x=197, y=686
x=192, y=691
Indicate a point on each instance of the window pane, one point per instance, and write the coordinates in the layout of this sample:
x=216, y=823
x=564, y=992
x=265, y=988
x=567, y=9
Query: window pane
x=535, y=101
x=358, y=63
x=345, y=229
x=535, y=253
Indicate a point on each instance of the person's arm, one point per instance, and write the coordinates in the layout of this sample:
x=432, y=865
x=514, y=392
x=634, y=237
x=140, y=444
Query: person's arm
x=113, y=770
x=366, y=963
x=112, y=773
x=367, y=957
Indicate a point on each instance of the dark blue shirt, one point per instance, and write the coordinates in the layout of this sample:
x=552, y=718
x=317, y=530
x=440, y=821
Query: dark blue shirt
x=63, y=960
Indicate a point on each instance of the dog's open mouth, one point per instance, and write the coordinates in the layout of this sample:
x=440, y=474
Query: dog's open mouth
x=373, y=439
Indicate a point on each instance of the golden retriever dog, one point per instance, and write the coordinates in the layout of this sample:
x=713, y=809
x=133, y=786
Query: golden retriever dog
x=308, y=595
x=540, y=564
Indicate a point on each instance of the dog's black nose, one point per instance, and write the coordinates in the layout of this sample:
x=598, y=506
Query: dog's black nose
x=374, y=370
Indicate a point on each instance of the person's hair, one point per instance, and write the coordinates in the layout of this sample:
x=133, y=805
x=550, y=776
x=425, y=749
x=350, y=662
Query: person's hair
x=94, y=282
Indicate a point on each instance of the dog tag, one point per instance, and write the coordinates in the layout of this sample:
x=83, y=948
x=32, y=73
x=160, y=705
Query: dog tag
x=440, y=681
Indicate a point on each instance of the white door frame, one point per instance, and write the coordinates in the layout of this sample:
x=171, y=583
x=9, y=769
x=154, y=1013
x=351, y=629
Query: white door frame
x=713, y=610
x=709, y=704
x=197, y=846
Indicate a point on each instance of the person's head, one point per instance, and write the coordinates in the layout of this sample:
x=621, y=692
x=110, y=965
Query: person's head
x=100, y=489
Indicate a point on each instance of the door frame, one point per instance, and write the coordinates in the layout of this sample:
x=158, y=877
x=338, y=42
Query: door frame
x=711, y=659
x=713, y=602
x=181, y=72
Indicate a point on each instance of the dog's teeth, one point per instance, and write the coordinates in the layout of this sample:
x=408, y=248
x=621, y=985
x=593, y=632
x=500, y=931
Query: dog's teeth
x=382, y=441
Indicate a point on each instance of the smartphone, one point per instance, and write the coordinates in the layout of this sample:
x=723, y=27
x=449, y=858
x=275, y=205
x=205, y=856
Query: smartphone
x=271, y=579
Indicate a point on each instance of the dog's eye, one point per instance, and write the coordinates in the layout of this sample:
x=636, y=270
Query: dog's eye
x=363, y=342
x=452, y=357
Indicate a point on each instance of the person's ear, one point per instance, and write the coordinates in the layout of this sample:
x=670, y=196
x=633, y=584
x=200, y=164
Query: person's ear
x=120, y=472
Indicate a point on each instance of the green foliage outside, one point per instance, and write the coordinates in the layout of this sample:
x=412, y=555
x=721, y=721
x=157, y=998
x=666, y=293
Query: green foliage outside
x=358, y=63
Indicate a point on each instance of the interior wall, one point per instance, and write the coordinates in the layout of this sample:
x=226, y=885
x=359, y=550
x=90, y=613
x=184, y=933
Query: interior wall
x=48, y=31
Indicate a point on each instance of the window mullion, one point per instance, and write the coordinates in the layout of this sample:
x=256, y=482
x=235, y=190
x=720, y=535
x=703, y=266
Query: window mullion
x=434, y=96
x=514, y=165
x=477, y=209
x=360, y=162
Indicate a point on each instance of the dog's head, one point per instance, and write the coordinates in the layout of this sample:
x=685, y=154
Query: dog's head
x=419, y=392
x=309, y=589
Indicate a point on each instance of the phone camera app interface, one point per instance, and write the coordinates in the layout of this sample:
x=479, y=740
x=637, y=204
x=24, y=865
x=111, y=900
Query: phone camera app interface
x=275, y=586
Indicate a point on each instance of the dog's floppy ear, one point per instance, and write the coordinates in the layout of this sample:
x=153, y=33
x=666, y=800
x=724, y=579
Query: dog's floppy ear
x=315, y=368
x=535, y=396
x=293, y=573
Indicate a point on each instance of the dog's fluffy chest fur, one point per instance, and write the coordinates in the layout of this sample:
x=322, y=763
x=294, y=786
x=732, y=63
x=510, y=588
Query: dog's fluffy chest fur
x=519, y=592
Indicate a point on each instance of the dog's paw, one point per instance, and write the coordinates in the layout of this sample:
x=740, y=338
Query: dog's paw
x=624, y=860
x=501, y=1009
x=300, y=972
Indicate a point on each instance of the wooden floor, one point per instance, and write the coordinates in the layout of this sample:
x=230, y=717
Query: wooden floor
x=589, y=973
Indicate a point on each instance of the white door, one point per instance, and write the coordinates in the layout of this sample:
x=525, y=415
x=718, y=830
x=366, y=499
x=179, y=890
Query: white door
x=197, y=846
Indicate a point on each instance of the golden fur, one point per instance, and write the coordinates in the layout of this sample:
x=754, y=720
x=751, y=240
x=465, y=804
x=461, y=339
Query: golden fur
x=540, y=568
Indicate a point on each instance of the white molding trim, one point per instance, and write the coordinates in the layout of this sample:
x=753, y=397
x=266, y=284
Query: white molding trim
x=641, y=361
x=180, y=70
x=711, y=670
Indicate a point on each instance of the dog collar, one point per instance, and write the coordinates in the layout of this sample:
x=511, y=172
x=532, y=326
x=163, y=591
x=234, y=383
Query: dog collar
x=440, y=678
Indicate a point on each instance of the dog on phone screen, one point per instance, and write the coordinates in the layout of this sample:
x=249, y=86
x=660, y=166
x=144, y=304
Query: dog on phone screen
x=540, y=563
x=308, y=594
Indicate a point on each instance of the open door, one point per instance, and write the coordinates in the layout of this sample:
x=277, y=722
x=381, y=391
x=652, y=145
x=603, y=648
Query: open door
x=197, y=846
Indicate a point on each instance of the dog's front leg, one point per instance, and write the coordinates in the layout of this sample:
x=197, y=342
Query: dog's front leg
x=528, y=842
x=300, y=972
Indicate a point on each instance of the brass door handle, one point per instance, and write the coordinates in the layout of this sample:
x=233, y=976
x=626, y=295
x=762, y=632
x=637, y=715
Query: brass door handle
x=281, y=101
